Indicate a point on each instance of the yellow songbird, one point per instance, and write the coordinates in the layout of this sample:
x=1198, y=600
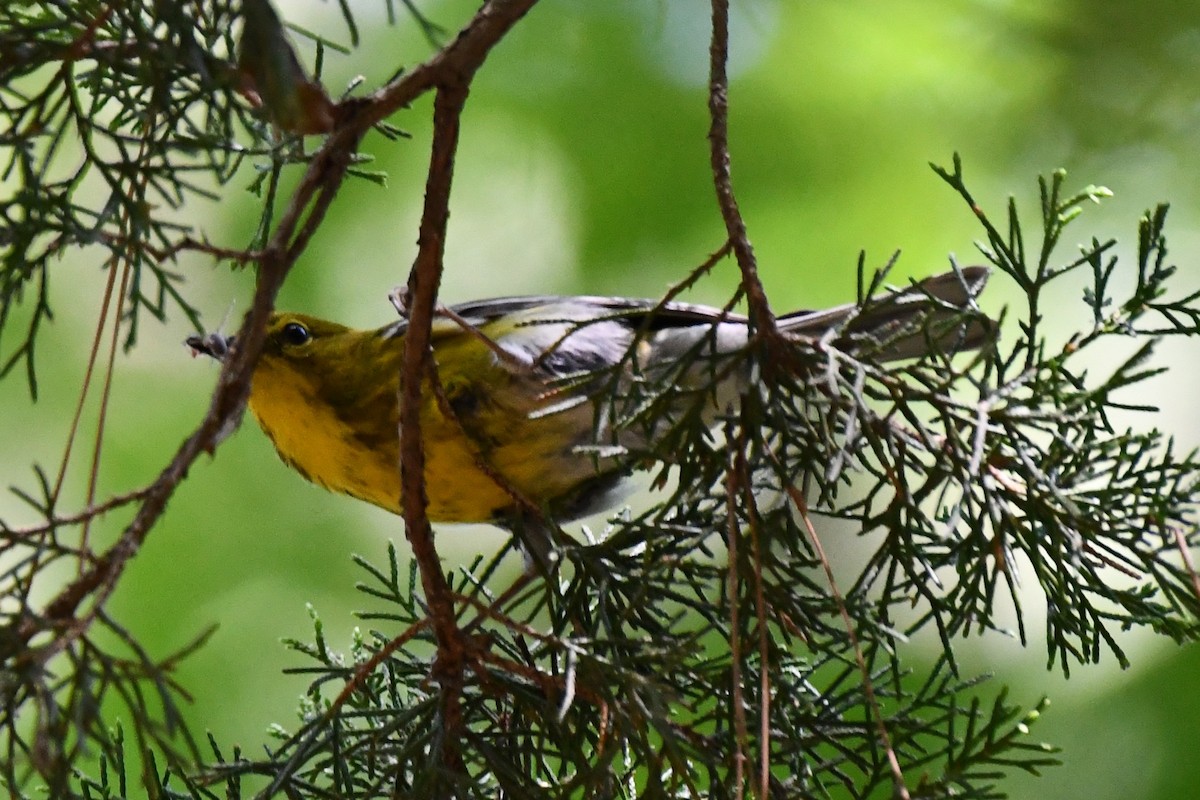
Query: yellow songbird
x=514, y=418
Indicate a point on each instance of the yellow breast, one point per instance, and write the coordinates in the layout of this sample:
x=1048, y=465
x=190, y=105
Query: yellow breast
x=360, y=456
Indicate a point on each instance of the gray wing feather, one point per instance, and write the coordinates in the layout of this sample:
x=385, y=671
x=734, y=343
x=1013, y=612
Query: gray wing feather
x=883, y=318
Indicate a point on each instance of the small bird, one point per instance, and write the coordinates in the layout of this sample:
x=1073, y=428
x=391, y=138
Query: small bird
x=513, y=421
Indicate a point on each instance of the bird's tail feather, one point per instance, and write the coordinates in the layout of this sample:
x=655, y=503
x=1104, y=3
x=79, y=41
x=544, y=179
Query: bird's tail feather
x=905, y=323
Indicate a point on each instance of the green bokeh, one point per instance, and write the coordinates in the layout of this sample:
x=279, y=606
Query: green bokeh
x=584, y=168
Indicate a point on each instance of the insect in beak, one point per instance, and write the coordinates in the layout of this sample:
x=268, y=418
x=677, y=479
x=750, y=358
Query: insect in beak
x=213, y=345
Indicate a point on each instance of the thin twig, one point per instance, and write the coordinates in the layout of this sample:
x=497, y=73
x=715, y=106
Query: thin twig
x=72, y=432
x=718, y=137
x=187, y=243
x=1189, y=565
x=735, y=633
x=105, y=396
x=693, y=277
x=760, y=610
x=899, y=786
x=84, y=387
x=80, y=516
x=355, y=681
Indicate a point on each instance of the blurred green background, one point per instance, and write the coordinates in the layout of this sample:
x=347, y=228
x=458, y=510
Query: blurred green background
x=584, y=168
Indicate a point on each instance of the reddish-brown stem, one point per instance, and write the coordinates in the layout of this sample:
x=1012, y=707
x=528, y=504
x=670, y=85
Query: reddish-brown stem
x=733, y=534
x=718, y=138
x=452, y=88
x=423, y=286
x=760, y=611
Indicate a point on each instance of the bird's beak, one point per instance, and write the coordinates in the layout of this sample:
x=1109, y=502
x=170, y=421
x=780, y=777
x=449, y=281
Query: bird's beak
x=213, y=345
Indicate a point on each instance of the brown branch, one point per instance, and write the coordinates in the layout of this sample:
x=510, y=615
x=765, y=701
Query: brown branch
x=238, y=256
x=718, y=138
x=455, y=69
x=549, y=684
x=735, y=634
x=738, y=483
x=760, y=611
x=423, y=285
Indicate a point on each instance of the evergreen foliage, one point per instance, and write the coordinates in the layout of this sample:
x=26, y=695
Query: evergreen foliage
x=706, y=647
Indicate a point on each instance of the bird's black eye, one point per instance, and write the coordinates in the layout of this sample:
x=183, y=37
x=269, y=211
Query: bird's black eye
x=295, y=334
